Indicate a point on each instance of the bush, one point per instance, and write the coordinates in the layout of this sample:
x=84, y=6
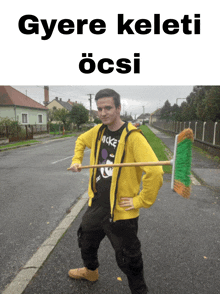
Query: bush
x=14, y=128
x=54, y=127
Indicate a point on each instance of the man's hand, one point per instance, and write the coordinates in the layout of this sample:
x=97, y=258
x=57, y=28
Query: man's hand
x=126, y=202
x=76, y=167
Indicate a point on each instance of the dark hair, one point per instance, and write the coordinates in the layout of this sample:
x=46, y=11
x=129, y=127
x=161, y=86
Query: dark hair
x=109, y=93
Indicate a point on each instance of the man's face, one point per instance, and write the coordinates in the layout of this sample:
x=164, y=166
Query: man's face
x=107, y=111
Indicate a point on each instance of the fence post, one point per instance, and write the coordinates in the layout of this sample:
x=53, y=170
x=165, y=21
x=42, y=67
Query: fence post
x=7, y=133
x=189, y=124
x=214, y=135
x=26, y=137
x=195, y=128
x=203, y=131
x=177, y=127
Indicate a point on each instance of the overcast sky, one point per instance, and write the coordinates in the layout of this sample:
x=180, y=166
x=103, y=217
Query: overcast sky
x=134, y=99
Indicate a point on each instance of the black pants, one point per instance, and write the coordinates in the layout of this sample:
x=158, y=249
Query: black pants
x=123, y=237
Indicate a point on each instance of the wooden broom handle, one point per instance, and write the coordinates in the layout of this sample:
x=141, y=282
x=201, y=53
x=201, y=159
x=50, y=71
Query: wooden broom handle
x=156, y=163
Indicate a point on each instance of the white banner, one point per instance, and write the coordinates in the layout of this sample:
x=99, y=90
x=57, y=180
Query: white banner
x=115, y=42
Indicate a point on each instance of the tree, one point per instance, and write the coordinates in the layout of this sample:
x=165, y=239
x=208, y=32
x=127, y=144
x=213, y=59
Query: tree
x=166, y=111
x=97, y=121
x=175, y=112
x=51, y=115
x=203, y=103
x=79, y=114
x=62, y=115
x=191, y=105
x=212, y=104
x=14, y=127
x=185, y=112
x=200, y=101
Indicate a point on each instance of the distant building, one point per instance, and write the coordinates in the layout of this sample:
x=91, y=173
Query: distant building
x=155, y=116
x=57, y=103
x=126, y=118
x=143, y=117
x=19, y=107
x=71, y=103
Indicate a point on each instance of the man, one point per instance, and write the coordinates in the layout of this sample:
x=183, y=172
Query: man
x=114, y=198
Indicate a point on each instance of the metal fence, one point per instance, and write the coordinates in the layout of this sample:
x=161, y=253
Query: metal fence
x=205, y=131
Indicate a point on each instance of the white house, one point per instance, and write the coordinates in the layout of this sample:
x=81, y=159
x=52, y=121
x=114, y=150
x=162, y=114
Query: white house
x=143, y=117
x=21, y=108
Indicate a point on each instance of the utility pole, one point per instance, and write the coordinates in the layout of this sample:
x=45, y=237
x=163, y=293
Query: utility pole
x=90, y=100
x=143, y=110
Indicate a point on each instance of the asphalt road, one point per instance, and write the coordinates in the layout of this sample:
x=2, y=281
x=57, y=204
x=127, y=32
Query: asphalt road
x=36, y=192
x=180, y=238
x=180, y=245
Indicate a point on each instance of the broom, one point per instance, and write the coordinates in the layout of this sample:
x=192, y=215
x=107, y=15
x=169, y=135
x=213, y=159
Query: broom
x=181, y=163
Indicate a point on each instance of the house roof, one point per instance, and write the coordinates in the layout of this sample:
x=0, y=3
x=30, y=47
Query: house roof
x=66, y=105
x=12, y=97
x=156, y=112
x=144, y=116
x=71, y=103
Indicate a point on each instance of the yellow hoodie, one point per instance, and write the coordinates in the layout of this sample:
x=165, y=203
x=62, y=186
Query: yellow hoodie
x=132, y=147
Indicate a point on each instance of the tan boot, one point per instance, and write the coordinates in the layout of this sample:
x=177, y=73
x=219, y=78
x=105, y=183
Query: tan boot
x=84, y=273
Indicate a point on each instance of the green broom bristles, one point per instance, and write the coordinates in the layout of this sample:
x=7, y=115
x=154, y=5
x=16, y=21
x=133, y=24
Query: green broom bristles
x=183, y=162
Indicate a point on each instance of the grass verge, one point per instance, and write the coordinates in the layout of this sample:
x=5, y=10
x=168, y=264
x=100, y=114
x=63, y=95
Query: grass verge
x=158, y=147
x=64, y=136
x=55, y=133
x=18, y=144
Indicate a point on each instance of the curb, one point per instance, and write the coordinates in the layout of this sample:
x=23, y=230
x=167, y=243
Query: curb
x=19, y=146
x=21, y=281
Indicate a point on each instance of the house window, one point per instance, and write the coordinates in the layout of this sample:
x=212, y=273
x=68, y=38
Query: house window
x=24, y=118
x=40, y=118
